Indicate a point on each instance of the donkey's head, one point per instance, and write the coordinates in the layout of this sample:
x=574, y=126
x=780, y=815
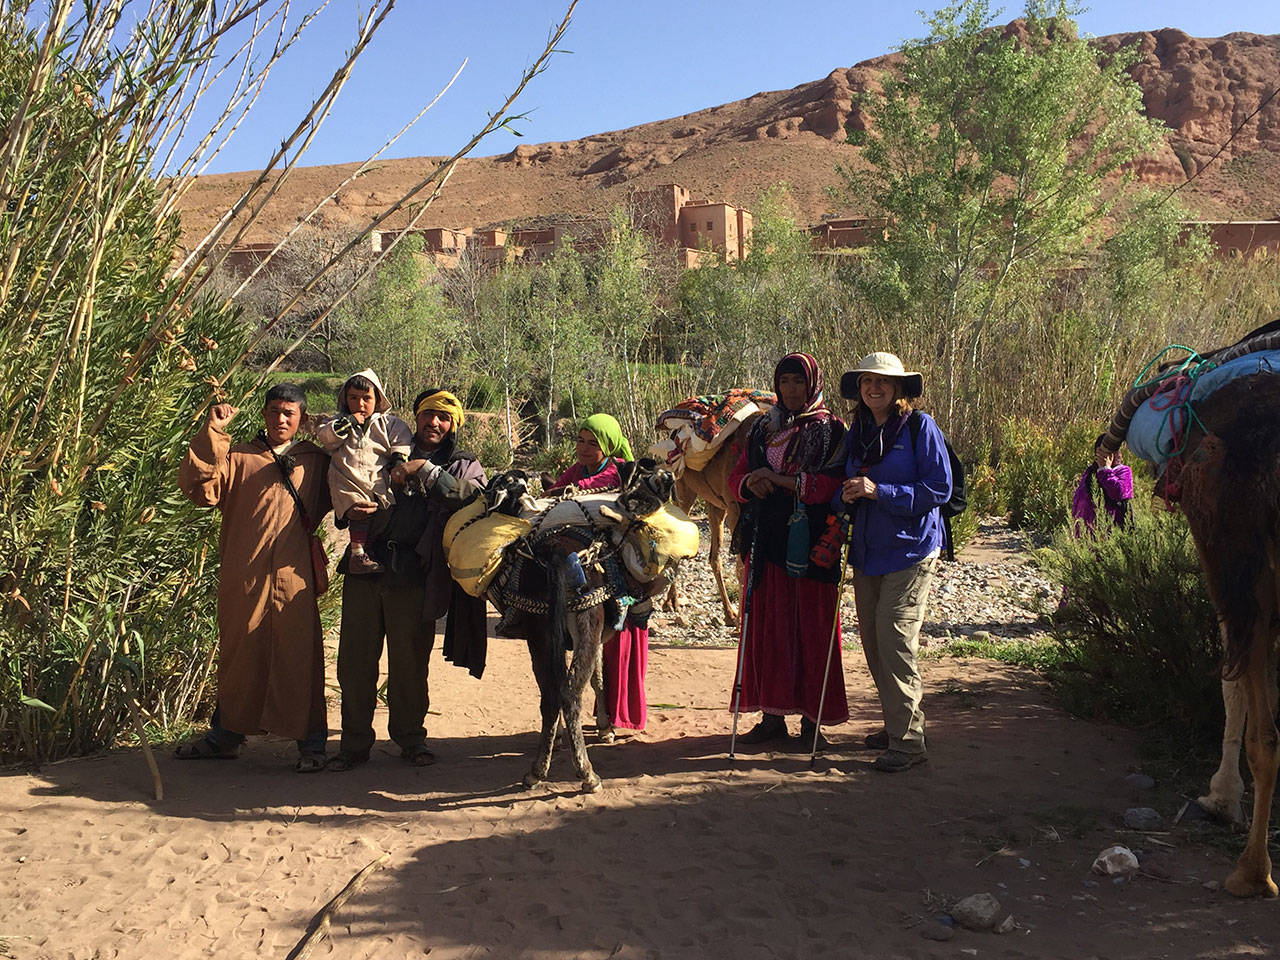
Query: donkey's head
x=503, y=492
x=645, y=488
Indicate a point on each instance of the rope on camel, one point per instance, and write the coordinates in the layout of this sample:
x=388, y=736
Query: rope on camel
x=1172, y=397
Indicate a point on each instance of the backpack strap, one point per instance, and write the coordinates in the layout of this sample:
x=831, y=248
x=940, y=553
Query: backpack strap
x=915, y=423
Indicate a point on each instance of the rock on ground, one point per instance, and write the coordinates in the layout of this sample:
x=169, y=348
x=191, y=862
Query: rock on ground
x=980, y=911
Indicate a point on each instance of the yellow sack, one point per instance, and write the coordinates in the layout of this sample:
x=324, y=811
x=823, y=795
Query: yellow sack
x=665, y=535
x=473, y=544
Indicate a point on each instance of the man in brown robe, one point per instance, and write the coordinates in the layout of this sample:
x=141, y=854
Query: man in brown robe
x=270, y=655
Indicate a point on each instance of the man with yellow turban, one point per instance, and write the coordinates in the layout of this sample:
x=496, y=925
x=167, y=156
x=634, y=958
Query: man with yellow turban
x=403, y=603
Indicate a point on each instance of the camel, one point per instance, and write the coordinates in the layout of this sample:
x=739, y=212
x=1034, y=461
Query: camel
x=683, y=447
x=1229, y=479
x=711, y=484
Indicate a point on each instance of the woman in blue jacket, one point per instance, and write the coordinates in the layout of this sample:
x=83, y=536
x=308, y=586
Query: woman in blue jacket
x=898, y=474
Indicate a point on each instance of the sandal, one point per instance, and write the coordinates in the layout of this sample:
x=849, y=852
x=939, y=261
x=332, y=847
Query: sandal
x=205, y=749
x=309, y=763
x=342, y=761
x=418, y=755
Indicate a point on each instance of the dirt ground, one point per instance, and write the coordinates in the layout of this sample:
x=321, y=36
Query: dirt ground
x=681, y=855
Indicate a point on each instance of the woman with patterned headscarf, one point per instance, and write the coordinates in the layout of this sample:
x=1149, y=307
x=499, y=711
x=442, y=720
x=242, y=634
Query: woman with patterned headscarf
x=786, y=629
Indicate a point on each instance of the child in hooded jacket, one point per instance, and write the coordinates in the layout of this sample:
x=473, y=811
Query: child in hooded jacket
x=364, y=441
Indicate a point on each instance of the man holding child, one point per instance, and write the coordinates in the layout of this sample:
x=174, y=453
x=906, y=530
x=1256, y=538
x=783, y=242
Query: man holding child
x=412, y=588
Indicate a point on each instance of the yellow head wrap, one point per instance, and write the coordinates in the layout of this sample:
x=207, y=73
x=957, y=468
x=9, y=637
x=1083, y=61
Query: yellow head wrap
x=445, y=402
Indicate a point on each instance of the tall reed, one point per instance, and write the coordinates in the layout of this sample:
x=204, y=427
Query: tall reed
x=112, y=343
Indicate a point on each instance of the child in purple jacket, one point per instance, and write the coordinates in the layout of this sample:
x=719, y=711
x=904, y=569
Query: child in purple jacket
x=1115, y=480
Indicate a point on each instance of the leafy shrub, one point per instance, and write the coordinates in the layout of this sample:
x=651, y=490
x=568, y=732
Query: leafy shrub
x=485, y=393
x=108, y=575
x=486, y=435
x=1038, y=471
x=321, y=388
x=980, y=495
x=1137, y=624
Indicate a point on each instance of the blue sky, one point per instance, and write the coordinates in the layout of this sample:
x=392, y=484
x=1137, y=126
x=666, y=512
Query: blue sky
x=632, y=61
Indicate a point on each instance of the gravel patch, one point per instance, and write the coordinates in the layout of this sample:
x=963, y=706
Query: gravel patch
x=992, y=587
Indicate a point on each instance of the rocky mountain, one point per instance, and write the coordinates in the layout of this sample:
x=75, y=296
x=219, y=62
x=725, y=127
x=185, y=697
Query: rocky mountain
x=1201, y=89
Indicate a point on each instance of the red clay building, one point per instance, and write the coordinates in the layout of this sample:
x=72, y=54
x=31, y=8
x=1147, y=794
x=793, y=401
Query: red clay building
x=1242, y=238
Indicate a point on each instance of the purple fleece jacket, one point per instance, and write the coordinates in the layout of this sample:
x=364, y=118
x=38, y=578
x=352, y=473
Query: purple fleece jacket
x=1117, y=486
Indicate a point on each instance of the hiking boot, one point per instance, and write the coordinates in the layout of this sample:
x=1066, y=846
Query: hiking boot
x=895, y=761
x=770, y=727
x=807, y=730
x=877, y=741
x=361, y=563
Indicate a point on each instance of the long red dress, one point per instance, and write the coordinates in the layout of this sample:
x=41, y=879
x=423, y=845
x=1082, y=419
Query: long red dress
x=786, y=634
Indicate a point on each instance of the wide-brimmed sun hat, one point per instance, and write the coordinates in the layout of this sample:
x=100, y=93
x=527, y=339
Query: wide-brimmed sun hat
x=887, y=365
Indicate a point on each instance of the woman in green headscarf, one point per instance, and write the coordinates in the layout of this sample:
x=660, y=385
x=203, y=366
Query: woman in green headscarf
x=600, y=448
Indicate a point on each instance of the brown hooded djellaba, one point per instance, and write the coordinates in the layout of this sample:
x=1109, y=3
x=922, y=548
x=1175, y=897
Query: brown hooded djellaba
x=270, y=655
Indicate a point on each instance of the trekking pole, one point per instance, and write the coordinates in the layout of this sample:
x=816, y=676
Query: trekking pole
x=831, y=647
x=742, y=640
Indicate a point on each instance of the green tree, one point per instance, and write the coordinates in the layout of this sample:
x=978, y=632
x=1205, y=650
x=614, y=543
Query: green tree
x=559, y=335
x=399, y=326
x=626, y=294
x=335, y=332
x=994, y=153
x=736, y=319
x=494, y=306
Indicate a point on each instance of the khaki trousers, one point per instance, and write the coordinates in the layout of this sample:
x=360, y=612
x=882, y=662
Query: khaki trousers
x=890, y=612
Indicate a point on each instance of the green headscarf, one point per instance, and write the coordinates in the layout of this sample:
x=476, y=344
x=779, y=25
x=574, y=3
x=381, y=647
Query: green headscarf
x=609, y=435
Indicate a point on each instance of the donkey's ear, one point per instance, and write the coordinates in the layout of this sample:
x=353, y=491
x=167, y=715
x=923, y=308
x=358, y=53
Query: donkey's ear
x=626, y=472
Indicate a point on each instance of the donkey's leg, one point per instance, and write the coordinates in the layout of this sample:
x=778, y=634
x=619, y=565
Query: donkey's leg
x=604, y=725
x=548, y=707
x=1227, y=786
x=585, y=626
x=1252, y=875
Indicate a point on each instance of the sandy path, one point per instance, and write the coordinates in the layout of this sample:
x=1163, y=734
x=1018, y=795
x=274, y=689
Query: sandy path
x=680, y=856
